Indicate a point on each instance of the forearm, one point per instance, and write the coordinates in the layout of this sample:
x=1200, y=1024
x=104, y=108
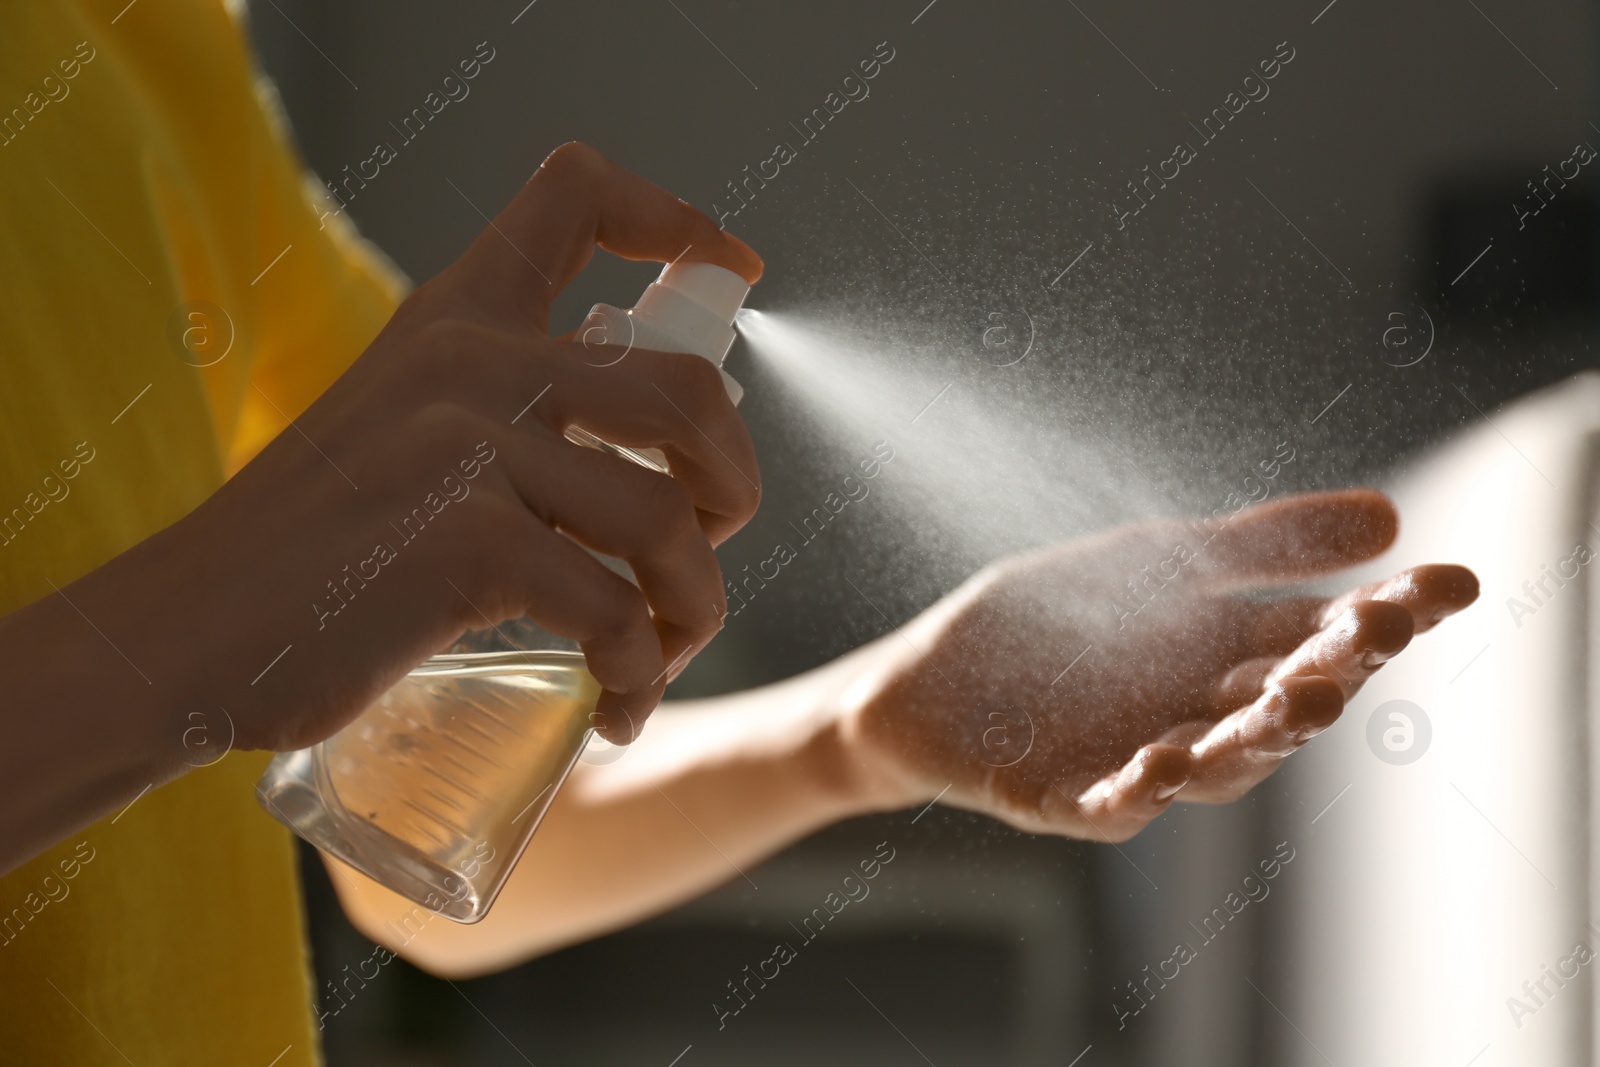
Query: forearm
x=709, y=790
x=91, y=712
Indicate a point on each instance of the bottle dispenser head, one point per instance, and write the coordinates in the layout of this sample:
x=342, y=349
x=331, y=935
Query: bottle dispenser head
x=696, y=302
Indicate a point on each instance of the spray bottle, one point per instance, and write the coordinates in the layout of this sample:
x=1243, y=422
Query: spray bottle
x=436, y=789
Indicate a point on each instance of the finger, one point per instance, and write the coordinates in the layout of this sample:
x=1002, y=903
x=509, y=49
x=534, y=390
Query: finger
x=1364, y=637
x=645, y=518
x=1123, y=803
x=673, y=402
x=618, y=717
x=1295, y=538
x=1237, y=753
x=665, y=400
x=569, y=592
x=1431, y=593
x=578, y=199
x=1282, y=625
x=1243, y=683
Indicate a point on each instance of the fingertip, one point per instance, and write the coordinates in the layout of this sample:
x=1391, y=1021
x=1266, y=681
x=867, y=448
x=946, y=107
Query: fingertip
x=1367, y=522
x=724, y=250
x=750, y=266
x=1310, y=704
x=1382, y=629
x=1156, y=773
x=1308, y=534
x=1380, y=508
x=618, y=717
x=1452, y=585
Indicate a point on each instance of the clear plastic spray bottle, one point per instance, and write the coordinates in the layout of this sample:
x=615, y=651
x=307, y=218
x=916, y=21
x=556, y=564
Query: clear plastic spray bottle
x=437, y=787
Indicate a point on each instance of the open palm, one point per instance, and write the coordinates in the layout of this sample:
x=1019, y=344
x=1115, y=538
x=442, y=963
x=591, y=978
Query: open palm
x=1079, y=689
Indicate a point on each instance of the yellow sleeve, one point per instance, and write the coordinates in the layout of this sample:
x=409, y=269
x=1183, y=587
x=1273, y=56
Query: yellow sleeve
x=318, y=305
x=245, y=231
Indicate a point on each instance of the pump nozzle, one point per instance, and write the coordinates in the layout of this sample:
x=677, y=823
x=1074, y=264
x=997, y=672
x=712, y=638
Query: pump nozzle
x=696, y=302
x=689, y=308
x=717, y=289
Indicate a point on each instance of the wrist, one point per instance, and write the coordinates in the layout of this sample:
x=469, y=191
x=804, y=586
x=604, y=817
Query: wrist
x=88, y=729
x=854, y=767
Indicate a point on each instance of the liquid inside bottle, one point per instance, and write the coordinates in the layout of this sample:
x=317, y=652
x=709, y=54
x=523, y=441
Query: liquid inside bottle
x=436, y=788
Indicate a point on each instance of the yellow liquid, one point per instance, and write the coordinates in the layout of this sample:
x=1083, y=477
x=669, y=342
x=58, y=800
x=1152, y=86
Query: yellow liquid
x=436, y=788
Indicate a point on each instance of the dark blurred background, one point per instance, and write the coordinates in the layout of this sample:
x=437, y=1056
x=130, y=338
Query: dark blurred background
x=1379, y=204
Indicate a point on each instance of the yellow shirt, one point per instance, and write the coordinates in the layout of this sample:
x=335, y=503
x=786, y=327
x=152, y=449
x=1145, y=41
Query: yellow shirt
x=153, y=218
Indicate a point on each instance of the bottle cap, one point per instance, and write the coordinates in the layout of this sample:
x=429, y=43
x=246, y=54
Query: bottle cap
x=696, y=303
x=717, y=289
